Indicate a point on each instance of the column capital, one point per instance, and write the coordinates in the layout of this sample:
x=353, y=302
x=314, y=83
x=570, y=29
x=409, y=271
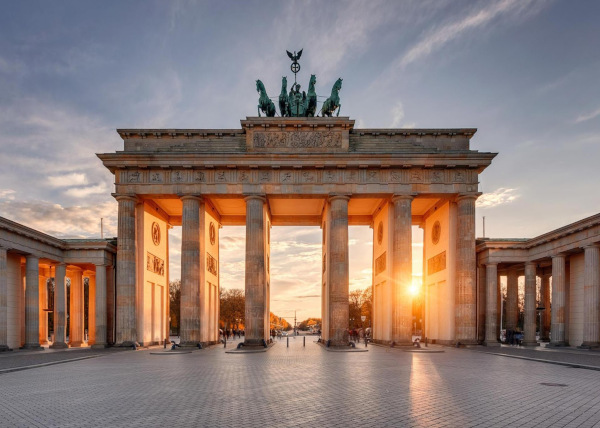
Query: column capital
x=31, y=256
x=491, y=264
x=403, y=197
x=334, y=196
x=558, y=256
x=184, y=197
x=534, y=264
x=591, y=246
x=125, y=197
x=468, y=196
x=260, y=196
x=100, y=264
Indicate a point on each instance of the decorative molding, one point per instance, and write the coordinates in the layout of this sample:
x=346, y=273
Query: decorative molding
x=381, y=263
x=155, y=264
x=296, y=139
x=436, y=263
x=211, y=264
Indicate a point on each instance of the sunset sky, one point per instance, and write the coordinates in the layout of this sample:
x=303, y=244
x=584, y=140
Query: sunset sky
x=524, y=72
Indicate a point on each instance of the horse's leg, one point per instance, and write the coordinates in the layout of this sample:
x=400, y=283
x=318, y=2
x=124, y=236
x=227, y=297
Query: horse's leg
x=339, y=108
x=259, y=110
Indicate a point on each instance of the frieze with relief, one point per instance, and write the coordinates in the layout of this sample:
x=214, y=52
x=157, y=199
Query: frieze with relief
x=297, y=139
x=155, y=264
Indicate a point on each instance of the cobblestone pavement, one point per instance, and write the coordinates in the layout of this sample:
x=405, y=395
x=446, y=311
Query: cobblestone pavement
x=299, y=386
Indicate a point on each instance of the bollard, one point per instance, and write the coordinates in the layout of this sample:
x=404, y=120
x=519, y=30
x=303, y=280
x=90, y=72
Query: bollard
x=426, y=341
x=288, y=341
x=366, y=341
x=224, y=342
x=304, y=341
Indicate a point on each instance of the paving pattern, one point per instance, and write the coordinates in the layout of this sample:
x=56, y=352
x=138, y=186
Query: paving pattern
x=301, y=386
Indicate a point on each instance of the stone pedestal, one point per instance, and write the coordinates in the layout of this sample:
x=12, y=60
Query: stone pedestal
x=591, y=297
x=491, y=275
x=32, y=303
x=256, y=287
x=466, y=287
x=190, y=271
x=557, y=331
x=530, y=313
x=100, y=308
x=60, y=307
x=126, y=334
x=402, y=270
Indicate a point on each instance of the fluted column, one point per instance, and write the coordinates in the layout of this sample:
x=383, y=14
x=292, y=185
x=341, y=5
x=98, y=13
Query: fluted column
x=529, y=321
x=256, y=287
x=190, y=271
x=100, y=309
x=466, y=286
x=512, y=299
x=43, y=304
x=402, y=270
x=545, y=301
x=60, y=307
x=91, y=329
x=126, y=272
x=591, y=297
x=76, y=310
x=3, y=301
x=491, y=276
x=557, y=331
x=32, y=303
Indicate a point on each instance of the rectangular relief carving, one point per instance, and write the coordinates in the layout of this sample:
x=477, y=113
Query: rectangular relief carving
x=157, y=177
x=211, y=264
x=380, y=263
x=178, y=176
x=155, y=264
x=436, y=263
x=297, y=139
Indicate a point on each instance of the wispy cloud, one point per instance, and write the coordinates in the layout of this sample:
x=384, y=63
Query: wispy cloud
x=72, y=179
x=397, y=115
x=439, y=37
x=588, y=116
x=497, y=197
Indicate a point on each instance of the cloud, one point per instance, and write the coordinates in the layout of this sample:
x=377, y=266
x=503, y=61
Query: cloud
x=73, y=179
x=497, y=197
x=584, y=117
x=7, y=194
x=397, y=115
x=78, y=221
x=82, y=192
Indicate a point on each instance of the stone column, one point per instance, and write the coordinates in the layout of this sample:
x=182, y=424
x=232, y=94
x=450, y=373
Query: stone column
x=190, y=271
x=530, y=313
x=512, y=300
x=482, y=303
x=60, y=307
x=466, y=287
x=32, y=303
x=3, y=301
x=256, y=286
x=91, y=329
x=402, y=270
x=43, y=304
x=591, y=297
x=76, y=315
x=491, y=276
x=126, y=330
x=100, y=328
x=557, y=331
x=545, y=301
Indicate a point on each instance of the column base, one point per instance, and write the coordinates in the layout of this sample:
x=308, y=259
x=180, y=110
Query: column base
x=531, y=344
x=255, y=342
x=544, y=339
x=77, y=344
x=589, y=345
x=99, y=346
x=190, y=344
x=59, y=345
x=127, y=344
x=492, y=344
x=557, y=344
x=5, y=348
x=32, y=347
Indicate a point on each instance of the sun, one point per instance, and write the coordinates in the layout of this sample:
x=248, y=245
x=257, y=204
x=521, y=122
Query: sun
x=414, y=288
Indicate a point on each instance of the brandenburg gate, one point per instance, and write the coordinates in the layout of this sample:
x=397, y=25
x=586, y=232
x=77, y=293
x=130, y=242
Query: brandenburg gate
x=283, y=171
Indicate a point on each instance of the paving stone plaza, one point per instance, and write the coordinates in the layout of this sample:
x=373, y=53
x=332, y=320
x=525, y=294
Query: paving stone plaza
x=301, y=386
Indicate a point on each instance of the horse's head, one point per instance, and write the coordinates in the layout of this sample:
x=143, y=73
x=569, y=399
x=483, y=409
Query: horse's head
x=284, y=83
x=338, y=84
x=313, y=80
x=259, y=86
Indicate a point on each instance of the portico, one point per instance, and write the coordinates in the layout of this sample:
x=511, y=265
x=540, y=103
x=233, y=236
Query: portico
x=301, y=171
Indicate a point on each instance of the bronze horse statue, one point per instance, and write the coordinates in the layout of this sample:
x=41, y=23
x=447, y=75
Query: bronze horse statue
x=284, y=99
x=333, y=102
x=311, y=96
x=264, y=102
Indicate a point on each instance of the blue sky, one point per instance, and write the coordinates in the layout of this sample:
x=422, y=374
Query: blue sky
x=524, y=72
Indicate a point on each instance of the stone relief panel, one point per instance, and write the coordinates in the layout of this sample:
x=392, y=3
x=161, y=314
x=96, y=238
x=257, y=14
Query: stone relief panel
x=297, y=139
x=437, y=263
x=211, y=264
x=134, y=177
x=178, y=176
x=155, y=264
x=330, y=176
x=222, y=176
x=308, y=176
x=157, y=177
x=380, y=263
